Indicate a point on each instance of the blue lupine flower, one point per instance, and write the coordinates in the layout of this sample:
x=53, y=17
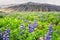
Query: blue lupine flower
x=50, y=28
x=7, y=30
x=35, y=24
x=48, y=35
x=5, y=35
x=21, y=28
x=0, y=34
x=30, y=28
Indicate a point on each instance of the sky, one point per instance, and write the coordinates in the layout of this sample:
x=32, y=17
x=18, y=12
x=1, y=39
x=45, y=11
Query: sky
x=7, y=2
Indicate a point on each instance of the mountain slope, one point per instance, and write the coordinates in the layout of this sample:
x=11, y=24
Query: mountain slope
x=30, y=6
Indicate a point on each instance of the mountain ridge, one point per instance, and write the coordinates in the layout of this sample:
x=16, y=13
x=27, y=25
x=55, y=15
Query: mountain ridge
x=31, y=6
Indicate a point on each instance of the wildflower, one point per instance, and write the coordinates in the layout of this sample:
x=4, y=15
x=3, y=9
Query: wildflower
x=7, y=30
x=5, y=37
x=0, y=34
x=6, y=33
x=30, y=28
x=21, y=28
x=48, y=35
x=35, y=24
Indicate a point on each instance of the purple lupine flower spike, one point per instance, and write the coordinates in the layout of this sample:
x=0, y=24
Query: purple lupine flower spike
x=7, y=30
x=35, y=24
x=21, y=28
x=50, y=29
x=30, y=28
x=5, y=35
x=48, y=35
x=0, y=34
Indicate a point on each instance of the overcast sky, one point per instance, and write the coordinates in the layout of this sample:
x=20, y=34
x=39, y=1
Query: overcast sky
x=6, y=2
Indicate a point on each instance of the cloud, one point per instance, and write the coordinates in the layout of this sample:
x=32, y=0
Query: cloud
x=5, y=2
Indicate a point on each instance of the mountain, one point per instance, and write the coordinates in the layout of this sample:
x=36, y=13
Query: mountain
x=31, y=6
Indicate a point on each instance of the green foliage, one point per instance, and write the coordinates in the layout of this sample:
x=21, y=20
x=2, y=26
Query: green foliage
x=14, y=20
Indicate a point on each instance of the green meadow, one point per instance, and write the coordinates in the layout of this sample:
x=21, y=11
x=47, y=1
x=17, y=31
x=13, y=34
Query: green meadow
x=43, y=19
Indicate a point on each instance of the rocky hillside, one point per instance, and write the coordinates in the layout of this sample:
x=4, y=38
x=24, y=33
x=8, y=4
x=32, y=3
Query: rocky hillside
x=30, y=6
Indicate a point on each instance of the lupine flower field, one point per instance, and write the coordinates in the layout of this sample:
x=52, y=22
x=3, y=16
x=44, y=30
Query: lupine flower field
x=30, y=26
